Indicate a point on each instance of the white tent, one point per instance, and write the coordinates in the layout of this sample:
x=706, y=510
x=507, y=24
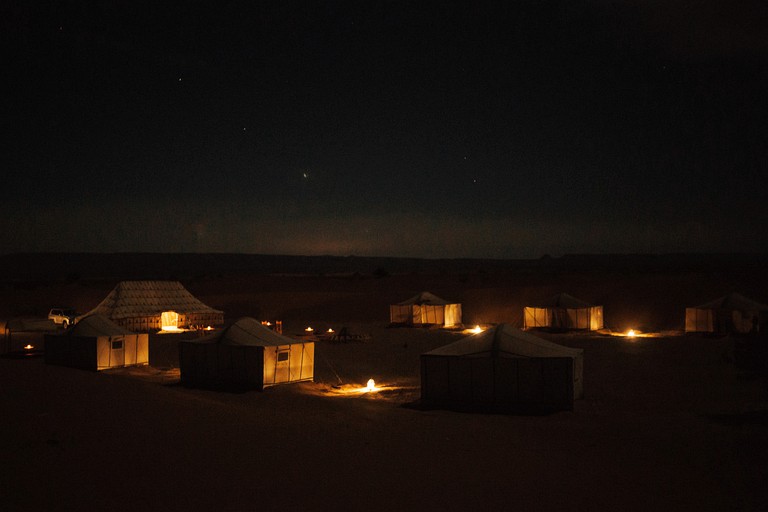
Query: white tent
x=563, y=311
x=425, y=309
x=96, y=343
x=503, y=369
x=731, y=313
x=143, y=306
x=245, y=355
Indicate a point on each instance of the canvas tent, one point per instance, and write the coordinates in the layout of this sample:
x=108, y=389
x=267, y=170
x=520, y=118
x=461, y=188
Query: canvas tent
x=732, y=313
x=96, y=343
x=425, y=309
x=143, y=306
x=502, y=369
x=245, y=355
x=563, y=311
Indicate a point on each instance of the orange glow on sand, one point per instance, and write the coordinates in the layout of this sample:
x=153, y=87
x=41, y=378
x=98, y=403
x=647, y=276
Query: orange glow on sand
x=475, y=330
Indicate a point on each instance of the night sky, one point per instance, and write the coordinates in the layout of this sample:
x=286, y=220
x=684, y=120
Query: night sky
x=385, y=128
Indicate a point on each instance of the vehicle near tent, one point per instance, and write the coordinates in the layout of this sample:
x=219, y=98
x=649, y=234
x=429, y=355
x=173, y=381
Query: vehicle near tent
x=143, y=306
x=732, y=313
x=245, y=355
x=502, y=369
x=62, y=316
x=425, y=309
x=563, y=311
x=96, y=343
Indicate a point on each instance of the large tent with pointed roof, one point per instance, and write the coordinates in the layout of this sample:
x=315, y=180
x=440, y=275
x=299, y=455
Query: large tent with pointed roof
x=143, y=306
x=563, y=311
x=97, y=343
x=245, y=355
x=732, y=313
x=502, y=369
x=425, y=309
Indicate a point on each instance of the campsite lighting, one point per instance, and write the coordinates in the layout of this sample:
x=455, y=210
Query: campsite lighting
x=477, y=329
x=371, y=385
x=309, y=329
x=631, y=333
x=330, y=331
x=28, y=347
x=209, y=328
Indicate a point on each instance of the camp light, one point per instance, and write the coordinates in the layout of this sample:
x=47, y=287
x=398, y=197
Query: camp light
x=477, y=329
x=309, y=329
x=631, y=333
x=28, y=347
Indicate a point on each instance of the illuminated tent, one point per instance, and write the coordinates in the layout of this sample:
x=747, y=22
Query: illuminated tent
x=153, y=305
x=425, y=309
x=502, y=369
x=96, y=343
x=732, y=313
x=563, y=311
x=245, y=355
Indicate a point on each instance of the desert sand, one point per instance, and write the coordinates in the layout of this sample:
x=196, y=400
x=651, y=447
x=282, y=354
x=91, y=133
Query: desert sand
x=669, y=422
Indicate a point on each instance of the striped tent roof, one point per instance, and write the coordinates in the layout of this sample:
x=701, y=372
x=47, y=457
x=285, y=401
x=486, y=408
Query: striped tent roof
x=131, y=299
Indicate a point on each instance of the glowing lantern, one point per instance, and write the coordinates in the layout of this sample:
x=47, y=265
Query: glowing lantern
x=371, y=385
x=330, y=331
x=28, y=347
x=477, y=329
x=309, y=329
x=631, y=333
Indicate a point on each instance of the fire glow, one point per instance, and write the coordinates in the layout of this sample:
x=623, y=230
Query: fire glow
x=28, y=347
x=309, y=329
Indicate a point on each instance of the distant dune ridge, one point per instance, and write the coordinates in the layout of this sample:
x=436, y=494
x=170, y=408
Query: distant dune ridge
x=640, y=291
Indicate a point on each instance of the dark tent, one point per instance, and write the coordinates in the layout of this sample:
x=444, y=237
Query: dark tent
x=502, y=369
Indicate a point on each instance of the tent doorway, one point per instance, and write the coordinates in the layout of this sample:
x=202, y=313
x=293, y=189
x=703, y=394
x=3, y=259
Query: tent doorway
x=169, y=321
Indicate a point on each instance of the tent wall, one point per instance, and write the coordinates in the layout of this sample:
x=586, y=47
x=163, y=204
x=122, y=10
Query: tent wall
x=699, y=320
x=155, y=323
x=446, y=315
x=499, y=384
x=97, y=352
x=452, y=315
x=244, y=366
x=289, y=363
x=562, y=318
x=723, y=320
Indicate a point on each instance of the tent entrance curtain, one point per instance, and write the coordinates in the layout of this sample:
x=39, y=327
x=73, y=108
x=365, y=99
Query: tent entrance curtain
x=169, y=320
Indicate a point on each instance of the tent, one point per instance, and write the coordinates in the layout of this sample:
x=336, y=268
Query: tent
x=563, y=311
x=425, y=309
x=245, y=355
x=502, y=369
x=96, y=343
x=154, y=305
x=732, y=313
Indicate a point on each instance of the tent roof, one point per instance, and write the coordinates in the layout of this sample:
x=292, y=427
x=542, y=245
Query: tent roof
x=505, y=339
x=563, y=300
x=249, y=331
x=97, y=325
x=425, y=298
x=130, y=299
x=734, y=301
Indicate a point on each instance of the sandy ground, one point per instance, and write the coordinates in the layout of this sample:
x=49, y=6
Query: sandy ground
x=667, y=423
